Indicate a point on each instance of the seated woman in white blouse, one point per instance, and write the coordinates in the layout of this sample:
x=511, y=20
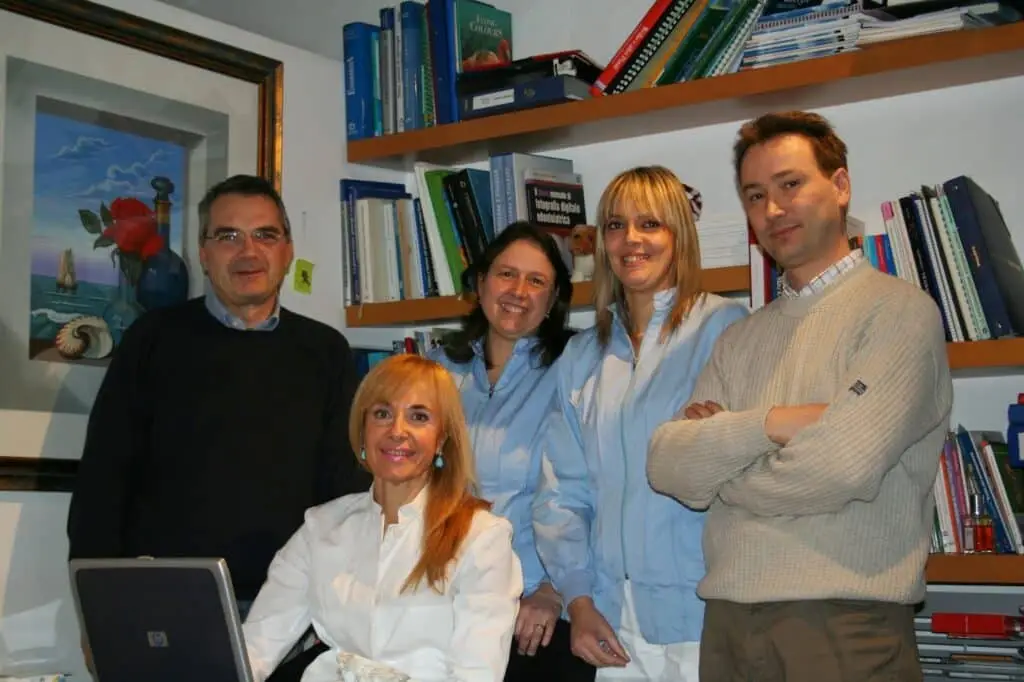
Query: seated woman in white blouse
x=416, y=574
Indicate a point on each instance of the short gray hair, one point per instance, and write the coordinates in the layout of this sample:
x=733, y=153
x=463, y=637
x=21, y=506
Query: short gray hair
x=243, y=185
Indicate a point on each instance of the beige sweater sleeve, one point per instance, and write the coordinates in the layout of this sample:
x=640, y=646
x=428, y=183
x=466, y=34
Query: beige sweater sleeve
x=899, y=390
x=691, y=459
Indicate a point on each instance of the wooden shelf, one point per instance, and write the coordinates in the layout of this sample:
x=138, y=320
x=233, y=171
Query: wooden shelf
x=982, y=355
x=881, y=70
x=964, y=357
x=976, y=569
x=417, y=311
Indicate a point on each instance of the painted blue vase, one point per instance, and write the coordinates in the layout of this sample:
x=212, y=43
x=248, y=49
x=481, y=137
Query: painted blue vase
x=123, y=310
x=164, y=279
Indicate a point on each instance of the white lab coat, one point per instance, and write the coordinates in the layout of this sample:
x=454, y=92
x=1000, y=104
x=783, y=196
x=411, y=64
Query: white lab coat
x=342, y=572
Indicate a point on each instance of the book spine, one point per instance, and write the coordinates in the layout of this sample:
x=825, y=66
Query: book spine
x=398, y=69
x=442, y=68
x=411, y=19
x=386, y=69
x=458, y=220
x=357, y=45
x=651, y=44
x=497, y=164
x=965, y=214
x=619, y=60
x=378, y=100
x=429, y=278
x=426, y=76
x=539, y=92
x=720, y=39
x=473, y=236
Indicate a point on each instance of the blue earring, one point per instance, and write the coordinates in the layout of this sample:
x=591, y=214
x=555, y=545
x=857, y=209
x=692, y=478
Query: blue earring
x=362, y=454
x=439, y=461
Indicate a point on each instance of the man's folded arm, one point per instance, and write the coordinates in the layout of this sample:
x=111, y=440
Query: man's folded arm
x=690, y=459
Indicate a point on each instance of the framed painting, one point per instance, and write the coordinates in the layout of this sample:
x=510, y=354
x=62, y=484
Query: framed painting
x=111, y=129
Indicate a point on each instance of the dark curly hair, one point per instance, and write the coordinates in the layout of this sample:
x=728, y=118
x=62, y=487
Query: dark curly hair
x=553, y=331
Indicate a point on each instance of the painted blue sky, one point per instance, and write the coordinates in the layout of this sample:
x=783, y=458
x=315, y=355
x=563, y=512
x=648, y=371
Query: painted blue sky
x=78, y=166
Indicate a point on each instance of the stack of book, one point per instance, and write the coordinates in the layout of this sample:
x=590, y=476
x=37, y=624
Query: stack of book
x=410, y=242
x=686, y=40
x=400, y=74
x=526, y=83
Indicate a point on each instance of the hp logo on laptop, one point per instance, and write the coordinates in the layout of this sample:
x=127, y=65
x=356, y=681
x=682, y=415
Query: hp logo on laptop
x=157, y=639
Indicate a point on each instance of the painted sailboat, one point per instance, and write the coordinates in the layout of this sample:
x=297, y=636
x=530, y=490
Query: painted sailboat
x=66, y=280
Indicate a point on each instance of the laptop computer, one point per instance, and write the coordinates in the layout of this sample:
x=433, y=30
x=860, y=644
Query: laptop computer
x=160, y=620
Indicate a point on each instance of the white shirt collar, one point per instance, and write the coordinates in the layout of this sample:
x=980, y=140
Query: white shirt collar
x=820, y=281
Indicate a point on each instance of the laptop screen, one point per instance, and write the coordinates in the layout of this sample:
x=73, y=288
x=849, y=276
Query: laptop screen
x=160, y=620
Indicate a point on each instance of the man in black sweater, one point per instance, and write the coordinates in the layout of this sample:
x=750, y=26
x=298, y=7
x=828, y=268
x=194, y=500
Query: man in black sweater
x=221, y=420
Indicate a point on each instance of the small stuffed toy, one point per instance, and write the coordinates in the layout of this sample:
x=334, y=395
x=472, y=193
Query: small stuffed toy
x=581, y=244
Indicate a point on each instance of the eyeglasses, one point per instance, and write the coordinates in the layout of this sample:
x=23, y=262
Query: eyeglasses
x=230, y=236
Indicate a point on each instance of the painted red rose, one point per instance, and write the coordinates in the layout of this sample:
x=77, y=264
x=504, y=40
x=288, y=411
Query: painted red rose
x=152, y=246
x=134, y=228
x=127, y=208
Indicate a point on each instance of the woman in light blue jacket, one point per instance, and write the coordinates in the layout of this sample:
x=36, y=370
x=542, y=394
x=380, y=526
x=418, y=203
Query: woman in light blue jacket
x=501, y=360
x=626, y=559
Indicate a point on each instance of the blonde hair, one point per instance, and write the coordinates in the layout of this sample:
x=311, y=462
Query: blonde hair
x=451, y=502
x=655, y=190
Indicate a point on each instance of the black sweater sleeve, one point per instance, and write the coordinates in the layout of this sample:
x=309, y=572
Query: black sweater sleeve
x=340, y=471
x=116, y=437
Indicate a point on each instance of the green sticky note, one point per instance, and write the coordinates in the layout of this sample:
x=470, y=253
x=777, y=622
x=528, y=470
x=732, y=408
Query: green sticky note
x=303, y=280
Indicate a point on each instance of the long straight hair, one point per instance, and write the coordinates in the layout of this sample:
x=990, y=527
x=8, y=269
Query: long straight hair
x=655, y=190
x=553, y=332
x=451, y=501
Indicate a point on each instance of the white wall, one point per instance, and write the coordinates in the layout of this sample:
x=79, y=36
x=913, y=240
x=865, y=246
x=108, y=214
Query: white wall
x=895, y=145
x=33, y=545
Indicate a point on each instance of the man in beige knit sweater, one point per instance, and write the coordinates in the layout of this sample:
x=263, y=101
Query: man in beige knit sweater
x=813, y=438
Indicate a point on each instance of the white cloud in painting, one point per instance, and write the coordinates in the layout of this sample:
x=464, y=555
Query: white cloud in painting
x=126, y=180
x=83, y=148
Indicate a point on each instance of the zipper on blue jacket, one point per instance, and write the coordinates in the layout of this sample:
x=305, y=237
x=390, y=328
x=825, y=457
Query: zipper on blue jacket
x=625, y=453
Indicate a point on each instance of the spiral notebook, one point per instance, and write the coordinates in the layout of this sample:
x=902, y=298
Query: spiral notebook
x=782, y=14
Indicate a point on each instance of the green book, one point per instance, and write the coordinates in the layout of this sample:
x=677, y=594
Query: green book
x=483, y=35
x=700, y=34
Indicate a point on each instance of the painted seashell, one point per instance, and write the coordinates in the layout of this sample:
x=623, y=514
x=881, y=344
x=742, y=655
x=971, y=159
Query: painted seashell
x=85, y=337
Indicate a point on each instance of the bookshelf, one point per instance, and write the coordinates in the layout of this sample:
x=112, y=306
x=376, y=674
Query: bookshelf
x=880, y=70
x=884, y=69
x=976, y=569
x=898, y=67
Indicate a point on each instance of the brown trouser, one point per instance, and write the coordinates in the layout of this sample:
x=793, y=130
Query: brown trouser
x=809, y=641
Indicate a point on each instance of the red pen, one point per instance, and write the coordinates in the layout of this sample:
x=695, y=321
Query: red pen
x=978, y=625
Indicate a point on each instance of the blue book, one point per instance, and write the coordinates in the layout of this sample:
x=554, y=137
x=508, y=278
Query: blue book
x=441, y=21
x=411, y=63
x=526, y=95
x=480, y=182
x=992, y=257
x=359, y=41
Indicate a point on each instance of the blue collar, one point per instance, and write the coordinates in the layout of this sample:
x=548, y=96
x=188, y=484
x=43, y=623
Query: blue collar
x=224, y=316
x=521, y=351
x=524, y=344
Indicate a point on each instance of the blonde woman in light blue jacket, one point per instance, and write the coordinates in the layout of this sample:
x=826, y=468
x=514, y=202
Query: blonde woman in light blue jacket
x=626, y=559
